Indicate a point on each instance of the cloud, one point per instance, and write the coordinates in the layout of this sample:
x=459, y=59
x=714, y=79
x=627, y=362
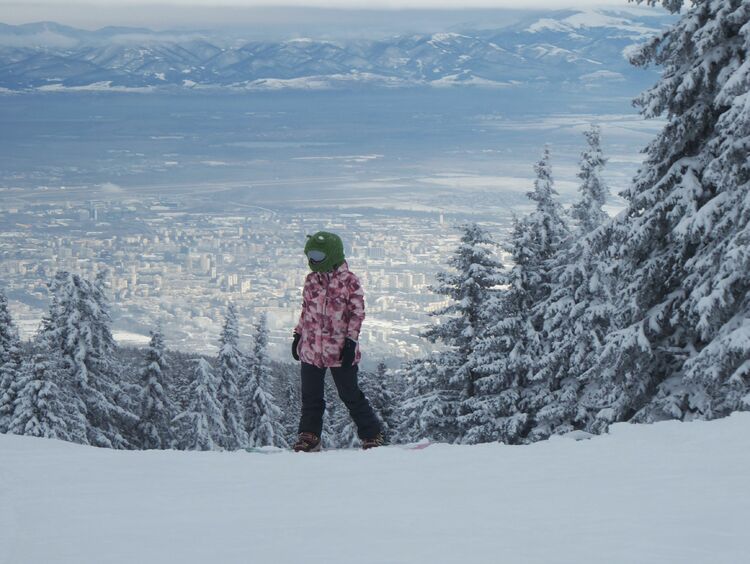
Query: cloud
x=141, y=38
x=325, y=4
x=339, y=4
x=267, y=18
x=43, y=38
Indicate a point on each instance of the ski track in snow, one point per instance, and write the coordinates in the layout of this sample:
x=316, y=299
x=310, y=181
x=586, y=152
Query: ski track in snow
x=664, y=493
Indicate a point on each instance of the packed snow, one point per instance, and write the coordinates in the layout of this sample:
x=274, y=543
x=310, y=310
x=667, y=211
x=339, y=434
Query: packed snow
x=664, y=493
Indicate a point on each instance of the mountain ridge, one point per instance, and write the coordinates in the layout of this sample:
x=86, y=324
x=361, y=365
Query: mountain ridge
x=568, y=48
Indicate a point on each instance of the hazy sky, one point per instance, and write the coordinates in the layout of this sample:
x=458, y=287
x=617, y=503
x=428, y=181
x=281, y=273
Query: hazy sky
x=342, y=4
x=161, y=14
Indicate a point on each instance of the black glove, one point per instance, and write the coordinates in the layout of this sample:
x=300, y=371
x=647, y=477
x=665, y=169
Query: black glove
x=348, y=352
x=297, y=337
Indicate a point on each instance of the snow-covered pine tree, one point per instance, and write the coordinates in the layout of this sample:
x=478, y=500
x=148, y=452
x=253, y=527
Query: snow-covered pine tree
x=538, y=238
x=156, y=409
x=78, y=327
x=510, y=388
x=179, y=378
x=262, y=414
x=201, y=426
x=10, y=364
x=588, y=211
x=230, y=368
x=547, y=231
x=429, y=405
x=504, y=355
x=576, y=316
x=290, y=405
x=45, y=405
x=344, y=429
x=377, y=388
x=476, y=271
x=682, y=247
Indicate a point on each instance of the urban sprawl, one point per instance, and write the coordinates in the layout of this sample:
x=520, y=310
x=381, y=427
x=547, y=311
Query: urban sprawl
x=171, y=266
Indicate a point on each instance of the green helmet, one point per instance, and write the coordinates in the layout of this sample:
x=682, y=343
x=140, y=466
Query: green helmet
x=324, y=251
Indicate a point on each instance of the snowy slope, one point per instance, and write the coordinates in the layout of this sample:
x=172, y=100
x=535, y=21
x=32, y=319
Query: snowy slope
x=664, y=493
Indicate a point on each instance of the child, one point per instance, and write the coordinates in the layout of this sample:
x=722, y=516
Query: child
x=333, y=309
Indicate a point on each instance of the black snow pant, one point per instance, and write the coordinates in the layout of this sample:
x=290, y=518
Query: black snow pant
x=314, y=403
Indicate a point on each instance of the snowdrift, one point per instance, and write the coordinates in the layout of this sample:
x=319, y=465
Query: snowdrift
x=661, y=493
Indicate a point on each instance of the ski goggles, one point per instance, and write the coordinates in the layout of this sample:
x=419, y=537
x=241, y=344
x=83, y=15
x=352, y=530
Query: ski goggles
x=316, y=256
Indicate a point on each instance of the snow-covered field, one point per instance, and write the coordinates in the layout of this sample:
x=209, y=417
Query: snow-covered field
x=665, y=493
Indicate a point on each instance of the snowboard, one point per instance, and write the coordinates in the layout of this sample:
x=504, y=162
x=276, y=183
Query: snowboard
x=417, y=446
x=265, y=450
x=273, y=450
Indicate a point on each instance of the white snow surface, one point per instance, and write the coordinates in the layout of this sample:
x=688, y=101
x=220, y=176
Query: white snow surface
x=664, y=493
x=591, y=19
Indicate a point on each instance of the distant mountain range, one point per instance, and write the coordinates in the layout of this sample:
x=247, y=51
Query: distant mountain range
x=564, y=49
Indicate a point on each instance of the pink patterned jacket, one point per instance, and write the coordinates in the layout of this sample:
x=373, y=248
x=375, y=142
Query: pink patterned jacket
x=333, y=308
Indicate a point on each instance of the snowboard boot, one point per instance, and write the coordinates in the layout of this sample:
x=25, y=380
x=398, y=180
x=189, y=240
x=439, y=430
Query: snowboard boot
x=376, y=441
x=307, y=442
